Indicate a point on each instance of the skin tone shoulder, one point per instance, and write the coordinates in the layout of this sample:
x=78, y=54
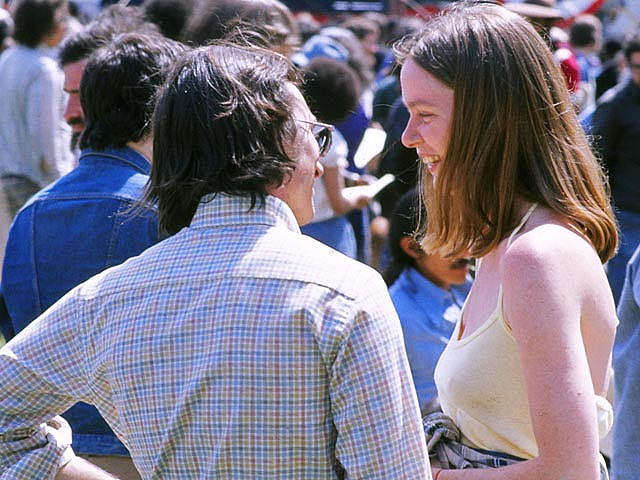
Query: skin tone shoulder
x=553, y=285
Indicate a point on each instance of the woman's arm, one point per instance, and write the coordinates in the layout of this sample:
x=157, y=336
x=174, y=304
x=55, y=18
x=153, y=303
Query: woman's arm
x=544, y=280
x=334, y=183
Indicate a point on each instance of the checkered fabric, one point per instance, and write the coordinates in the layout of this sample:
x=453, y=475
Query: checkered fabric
x=238, y=348
x=443, y=441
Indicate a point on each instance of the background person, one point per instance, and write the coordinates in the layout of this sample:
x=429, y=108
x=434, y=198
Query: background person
x=626, y=425
x=331, y=89
x=428, y=291
x=616, y=131
x=34, y=138
x=527, y=367
x=81, y=224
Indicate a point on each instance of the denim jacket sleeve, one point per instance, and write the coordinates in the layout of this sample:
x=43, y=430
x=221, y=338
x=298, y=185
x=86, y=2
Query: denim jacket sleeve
x=19, y=273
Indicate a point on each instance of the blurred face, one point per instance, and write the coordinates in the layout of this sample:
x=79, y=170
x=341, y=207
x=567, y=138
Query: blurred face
x=444, y=272
x=73, y=113
x=634, y=66
x=297, y=190
x=430, y=105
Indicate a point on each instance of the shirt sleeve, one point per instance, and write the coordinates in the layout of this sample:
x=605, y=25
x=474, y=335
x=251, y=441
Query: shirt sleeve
x=375, y=409
x=45, y=122
x=41, y=373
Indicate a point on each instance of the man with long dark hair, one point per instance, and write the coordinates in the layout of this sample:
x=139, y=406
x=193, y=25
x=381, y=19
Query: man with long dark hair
x=236, y=348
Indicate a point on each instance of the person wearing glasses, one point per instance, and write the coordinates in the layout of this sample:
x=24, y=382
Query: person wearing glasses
x=616, y=130
x=508, y=177
x=237, y=347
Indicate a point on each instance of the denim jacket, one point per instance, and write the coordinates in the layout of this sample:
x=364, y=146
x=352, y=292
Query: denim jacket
x=68, y=232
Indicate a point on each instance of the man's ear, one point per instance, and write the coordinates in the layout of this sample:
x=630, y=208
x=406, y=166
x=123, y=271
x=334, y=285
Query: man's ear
x=410, y=247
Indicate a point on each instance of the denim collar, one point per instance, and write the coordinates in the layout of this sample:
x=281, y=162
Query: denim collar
x=126, y=155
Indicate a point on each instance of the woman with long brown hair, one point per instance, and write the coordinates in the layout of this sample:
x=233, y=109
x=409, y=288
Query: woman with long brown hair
x=508, y=175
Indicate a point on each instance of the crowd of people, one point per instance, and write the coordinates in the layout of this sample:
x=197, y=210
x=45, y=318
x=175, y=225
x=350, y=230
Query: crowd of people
x=200, y=281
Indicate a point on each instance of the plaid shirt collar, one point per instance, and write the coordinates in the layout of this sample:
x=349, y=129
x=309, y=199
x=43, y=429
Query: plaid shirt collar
x=221, y=209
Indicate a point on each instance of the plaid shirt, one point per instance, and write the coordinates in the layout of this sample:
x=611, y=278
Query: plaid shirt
x=237, y=348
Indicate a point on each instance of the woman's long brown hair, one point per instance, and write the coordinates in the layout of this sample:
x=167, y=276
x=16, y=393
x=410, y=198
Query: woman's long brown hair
x=514, y=134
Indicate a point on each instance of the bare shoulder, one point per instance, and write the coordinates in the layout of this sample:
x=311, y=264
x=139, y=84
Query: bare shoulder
x=551, y=265
x=549, y=249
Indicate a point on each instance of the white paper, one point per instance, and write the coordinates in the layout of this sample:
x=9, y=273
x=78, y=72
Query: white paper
x=371, y=145
x=370, y=190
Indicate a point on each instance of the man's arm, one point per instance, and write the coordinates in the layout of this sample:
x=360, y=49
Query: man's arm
x=376, y=413
x=42, y=375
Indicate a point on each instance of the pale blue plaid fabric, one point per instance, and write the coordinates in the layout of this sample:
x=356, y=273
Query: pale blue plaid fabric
x=237, y=348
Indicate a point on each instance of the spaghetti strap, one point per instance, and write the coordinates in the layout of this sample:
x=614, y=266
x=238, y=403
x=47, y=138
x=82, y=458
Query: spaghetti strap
x=522, y=222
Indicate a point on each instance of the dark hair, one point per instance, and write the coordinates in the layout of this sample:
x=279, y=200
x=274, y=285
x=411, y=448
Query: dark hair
x=403, y=223
x=217, y=20
x=357, y=56
x=361, y=27
x=113, y=20
x=169, y=15
x=220, y=125
x=586, y=31
x=34, y=19
x=118, y=87
x=527, y=143
x=331, y=89
x=631, y=46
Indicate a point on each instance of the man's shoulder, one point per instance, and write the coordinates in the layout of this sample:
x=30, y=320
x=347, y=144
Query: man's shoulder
x=301, y=258
x=619, y=93
x=108, y=181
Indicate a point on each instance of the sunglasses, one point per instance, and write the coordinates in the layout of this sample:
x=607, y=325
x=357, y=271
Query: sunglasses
x=322, y=132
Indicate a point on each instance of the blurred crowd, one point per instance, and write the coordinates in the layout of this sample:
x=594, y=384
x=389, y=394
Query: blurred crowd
x=351, y=84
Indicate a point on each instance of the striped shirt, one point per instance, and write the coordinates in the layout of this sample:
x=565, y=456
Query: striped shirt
x=238, y=348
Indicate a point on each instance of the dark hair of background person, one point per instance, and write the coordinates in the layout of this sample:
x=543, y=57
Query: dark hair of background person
x=170, y=16
x=35, y=19
x=403, y=222
x=361, y=27
x=217, y=20
x=118, y=87
x=307, y=26
x=521, y=134
x=220, y=125
x=331, y=89
x=585, y=31
x=357, y=55
x=113, y=20
x=631, y=46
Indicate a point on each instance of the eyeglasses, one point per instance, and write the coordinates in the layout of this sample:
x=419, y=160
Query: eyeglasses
x=323, y=134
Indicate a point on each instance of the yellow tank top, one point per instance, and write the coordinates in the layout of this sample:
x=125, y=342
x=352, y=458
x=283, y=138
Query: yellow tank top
x=481, y=386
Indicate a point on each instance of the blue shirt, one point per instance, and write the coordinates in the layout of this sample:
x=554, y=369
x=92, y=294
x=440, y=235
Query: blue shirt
x=65, y=234
x=235, y=349
x=428, y=315
x=626, y=364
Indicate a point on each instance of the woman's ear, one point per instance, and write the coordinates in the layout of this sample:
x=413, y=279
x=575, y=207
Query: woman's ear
x=410, y=247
